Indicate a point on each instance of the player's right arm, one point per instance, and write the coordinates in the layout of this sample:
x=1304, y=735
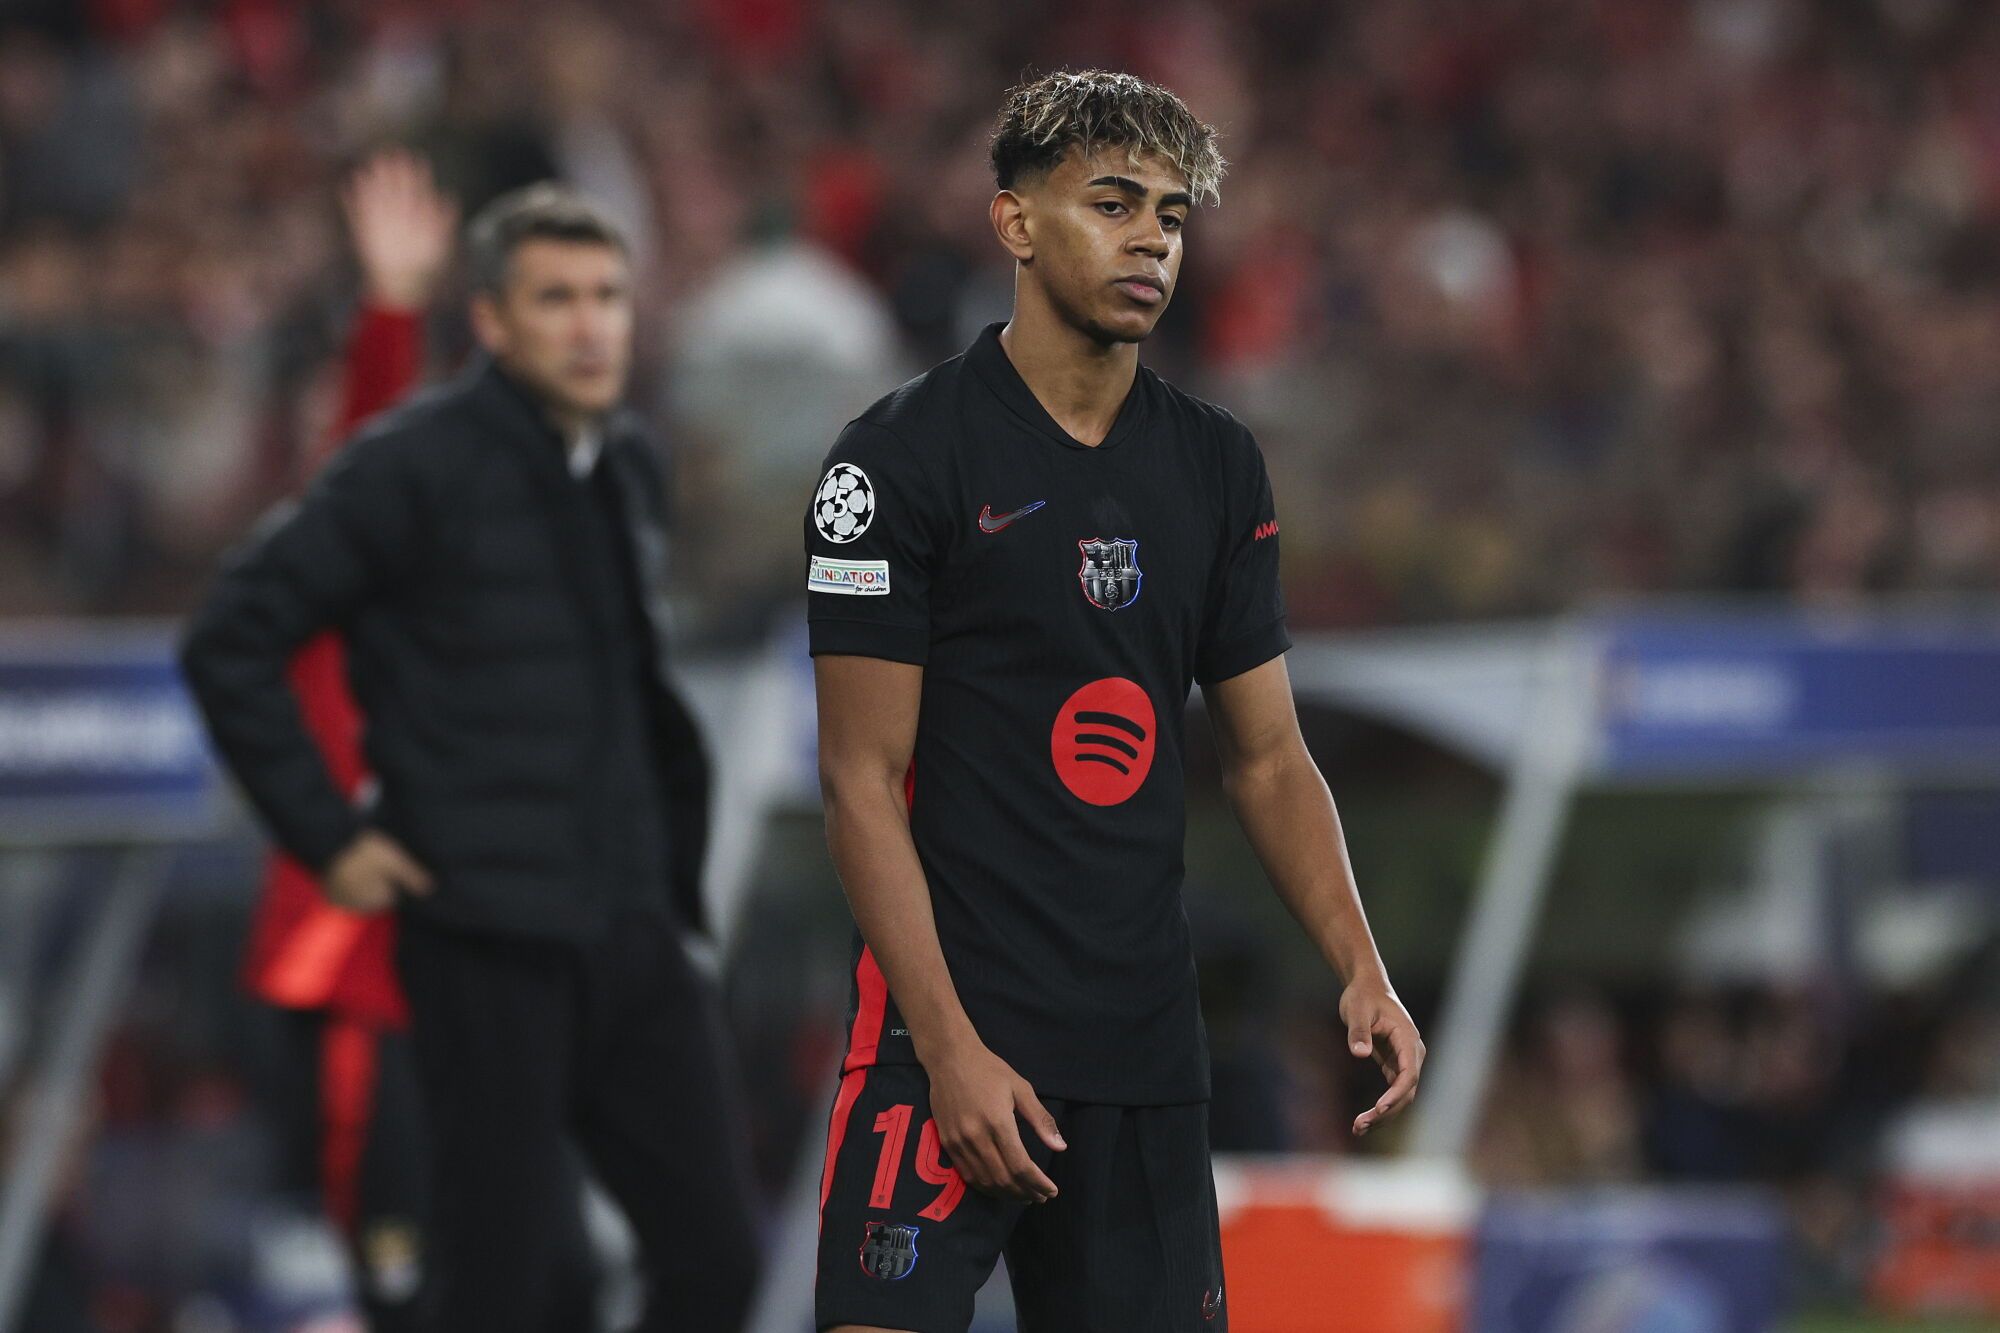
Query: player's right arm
x=867, y=727
x=869, y=607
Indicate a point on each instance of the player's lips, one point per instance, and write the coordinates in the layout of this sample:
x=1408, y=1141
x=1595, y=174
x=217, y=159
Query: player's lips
x=1142, y=288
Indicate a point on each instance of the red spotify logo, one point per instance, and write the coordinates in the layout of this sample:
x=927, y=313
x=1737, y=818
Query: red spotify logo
x=1103, y=741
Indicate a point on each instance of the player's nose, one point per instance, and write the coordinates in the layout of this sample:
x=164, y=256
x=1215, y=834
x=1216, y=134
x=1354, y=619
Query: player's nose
x=1148, y=240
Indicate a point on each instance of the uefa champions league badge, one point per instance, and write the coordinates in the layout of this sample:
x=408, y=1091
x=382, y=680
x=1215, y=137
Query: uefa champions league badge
x=844, y=505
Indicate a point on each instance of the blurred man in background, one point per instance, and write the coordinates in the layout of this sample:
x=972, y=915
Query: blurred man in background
x=495, y=555
x=334, y=968
x=1019, y=564
x=354, y=1118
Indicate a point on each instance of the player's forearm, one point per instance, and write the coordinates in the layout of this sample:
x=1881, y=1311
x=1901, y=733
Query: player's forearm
x=1289, y=816
x=868, y=835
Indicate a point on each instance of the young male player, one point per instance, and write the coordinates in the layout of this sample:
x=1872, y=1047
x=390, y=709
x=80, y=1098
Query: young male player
x=1020, y=562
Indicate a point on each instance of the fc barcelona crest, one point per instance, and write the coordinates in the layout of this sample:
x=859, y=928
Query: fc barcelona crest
x=889, y=1251
x=1110, y=572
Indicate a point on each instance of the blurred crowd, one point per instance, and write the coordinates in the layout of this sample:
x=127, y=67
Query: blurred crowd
x=1789, y=1086
x=1528, y=300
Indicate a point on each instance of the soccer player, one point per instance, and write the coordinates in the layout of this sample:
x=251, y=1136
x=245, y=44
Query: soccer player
x=1019, y=564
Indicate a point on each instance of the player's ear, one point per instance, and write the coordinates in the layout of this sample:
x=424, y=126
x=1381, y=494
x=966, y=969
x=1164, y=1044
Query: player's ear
x=1010, y=224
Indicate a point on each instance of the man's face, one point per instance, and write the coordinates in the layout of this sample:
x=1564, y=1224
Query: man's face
x=1105, y=231
x=562, y=323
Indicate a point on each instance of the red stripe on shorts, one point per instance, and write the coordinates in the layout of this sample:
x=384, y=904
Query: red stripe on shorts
x=836, y=1132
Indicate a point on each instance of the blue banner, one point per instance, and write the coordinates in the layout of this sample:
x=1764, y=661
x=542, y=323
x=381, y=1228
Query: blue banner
x=98, y=737
x=1629, y=1261
x=1774, y=694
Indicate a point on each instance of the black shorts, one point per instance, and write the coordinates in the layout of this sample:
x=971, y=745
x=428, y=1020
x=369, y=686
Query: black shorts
x=1131, y=1240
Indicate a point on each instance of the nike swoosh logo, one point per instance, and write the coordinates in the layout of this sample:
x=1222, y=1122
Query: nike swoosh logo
x=989, y=522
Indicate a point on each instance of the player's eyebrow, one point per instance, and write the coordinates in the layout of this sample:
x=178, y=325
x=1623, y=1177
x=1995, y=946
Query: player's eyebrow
x=1138, y=191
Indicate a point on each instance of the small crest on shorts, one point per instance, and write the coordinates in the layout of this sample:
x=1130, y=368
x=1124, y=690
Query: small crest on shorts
x=1211, y=1303
x=889, y=1251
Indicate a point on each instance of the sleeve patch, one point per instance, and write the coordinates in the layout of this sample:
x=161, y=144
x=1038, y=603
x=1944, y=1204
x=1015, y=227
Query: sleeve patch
x=844, y=505
x=852, y=578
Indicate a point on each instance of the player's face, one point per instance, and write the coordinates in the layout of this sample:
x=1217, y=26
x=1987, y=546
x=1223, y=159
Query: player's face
x=562, y=323
x=1106, y=232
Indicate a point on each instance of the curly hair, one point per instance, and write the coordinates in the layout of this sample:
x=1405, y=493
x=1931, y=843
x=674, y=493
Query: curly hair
x=1095, y=108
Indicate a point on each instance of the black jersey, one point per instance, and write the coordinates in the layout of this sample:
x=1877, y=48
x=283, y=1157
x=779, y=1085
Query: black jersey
x=1061, y=599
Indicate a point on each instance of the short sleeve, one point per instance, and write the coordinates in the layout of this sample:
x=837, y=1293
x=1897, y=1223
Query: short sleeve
x=873, y=538
x=1243, y=625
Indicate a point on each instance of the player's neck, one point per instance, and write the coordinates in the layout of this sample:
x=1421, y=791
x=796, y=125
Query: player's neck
x=1080, y=382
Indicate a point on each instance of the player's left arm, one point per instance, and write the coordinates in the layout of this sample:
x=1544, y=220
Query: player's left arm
x=1288, y=814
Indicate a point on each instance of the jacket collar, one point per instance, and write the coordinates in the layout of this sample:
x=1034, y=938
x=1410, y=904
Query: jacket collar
x=508, y=407
x=503, y=397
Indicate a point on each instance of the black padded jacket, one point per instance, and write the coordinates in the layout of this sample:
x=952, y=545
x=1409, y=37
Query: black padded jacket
x=450, y=545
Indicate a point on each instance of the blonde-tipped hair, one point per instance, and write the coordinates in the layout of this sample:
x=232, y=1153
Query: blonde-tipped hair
x=1096, y=108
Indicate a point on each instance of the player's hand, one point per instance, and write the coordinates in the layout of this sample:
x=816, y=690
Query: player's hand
x=1378, y=1025
x=402, y=227
x=978, y=1102
x=369, y=872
